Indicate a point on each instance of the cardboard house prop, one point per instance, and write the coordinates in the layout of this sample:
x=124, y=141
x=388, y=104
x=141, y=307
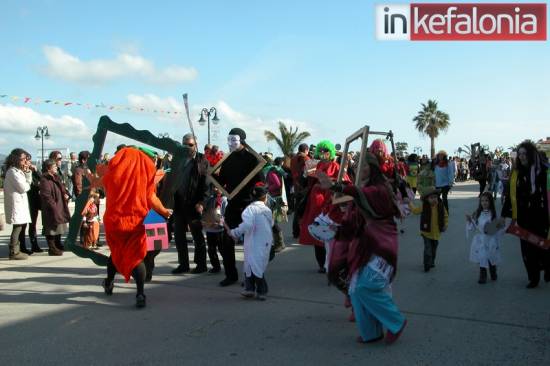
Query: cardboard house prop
x=156, y=231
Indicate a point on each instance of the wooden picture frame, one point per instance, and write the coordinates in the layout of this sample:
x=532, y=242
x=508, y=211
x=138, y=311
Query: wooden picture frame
x=212, y=173
x=105, y=125
x=362, y=133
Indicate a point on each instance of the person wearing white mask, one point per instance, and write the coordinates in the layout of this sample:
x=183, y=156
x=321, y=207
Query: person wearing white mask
x=234, y=169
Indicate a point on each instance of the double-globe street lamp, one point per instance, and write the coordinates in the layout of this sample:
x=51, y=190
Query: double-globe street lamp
x=41, y=133
x=207, y=113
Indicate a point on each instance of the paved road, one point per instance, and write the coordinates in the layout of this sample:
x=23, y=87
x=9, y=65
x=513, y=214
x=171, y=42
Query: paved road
x=53, y=311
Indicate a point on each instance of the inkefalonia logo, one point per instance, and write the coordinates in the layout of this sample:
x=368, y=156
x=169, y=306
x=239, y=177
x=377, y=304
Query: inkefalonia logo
x=461, y=22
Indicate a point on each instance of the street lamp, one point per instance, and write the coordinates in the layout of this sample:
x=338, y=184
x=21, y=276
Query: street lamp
x=42, y=132
x=208, y=113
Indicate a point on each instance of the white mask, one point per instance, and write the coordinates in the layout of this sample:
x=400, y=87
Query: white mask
x=234, y=142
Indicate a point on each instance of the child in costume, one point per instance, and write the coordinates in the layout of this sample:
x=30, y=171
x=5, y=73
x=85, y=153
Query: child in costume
x=90, y=221
x=433, y=221
x=485, y=248
x=258, y=239
x=412, y=171
x=212, y=222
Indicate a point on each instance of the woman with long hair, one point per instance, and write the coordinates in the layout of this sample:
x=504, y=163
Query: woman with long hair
x=526, y=202
x=17, y=183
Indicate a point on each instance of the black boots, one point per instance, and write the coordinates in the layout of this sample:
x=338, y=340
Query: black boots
x=482, y=275
x=53, y=250
x=35, y=248
x=493, y=272
x=23, y=248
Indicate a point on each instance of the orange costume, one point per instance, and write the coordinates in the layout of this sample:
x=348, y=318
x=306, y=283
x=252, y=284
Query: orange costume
x=129, y=182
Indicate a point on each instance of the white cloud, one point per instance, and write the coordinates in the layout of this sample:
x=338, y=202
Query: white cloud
x=24, y=121
x=154, y=102
x=64, y=66
x=255, y=126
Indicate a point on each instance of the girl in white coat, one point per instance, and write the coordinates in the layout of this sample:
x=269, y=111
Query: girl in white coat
x=487, y=231
x=16, y=205
x=258, y=239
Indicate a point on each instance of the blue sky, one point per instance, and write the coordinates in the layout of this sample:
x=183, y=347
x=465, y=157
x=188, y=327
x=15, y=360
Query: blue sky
x=313, y=64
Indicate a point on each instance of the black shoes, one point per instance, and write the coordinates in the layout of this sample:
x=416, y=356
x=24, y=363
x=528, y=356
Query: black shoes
x=227, y=282
x=35, y=248
x=322, y=270
x=26, y=251
x=198, y=270
x=180, y=269
x=140, y=301
x=108, y=286
x=215, y=270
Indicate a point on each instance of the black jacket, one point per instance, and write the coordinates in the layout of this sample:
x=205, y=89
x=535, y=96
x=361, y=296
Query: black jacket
x=192, y=188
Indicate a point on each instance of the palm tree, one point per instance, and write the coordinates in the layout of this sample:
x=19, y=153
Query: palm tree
x=289, y=140
x=431, y=121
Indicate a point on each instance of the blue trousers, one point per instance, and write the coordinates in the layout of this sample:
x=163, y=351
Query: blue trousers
x=373, y=305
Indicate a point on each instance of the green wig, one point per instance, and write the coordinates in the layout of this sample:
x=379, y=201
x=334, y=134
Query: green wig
x=325, y=144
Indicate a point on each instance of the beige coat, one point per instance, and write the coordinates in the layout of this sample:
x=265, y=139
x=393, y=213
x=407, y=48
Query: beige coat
x=16, y=204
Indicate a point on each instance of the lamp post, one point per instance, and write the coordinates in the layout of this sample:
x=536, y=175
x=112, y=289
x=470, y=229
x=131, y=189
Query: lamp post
x=208, y=113
x=42, y=132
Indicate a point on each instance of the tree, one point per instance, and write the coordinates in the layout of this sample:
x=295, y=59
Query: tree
x=289, y=138
x=430, y=121
x=401, y=147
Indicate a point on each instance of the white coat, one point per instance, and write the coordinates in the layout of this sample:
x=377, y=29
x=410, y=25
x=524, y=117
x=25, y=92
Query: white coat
x=16, y=203
x=485, y=248
x=258, y=237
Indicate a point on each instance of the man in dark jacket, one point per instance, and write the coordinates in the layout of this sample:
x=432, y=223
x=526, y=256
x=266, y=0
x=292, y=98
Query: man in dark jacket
x=232, y=172
x=188, y=206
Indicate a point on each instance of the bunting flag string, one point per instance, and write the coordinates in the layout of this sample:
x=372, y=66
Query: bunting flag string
x=32, y=100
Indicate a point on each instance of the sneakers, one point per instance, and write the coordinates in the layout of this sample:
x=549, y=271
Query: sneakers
x=108, y=287
x=391, y=337
x=140, y=301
